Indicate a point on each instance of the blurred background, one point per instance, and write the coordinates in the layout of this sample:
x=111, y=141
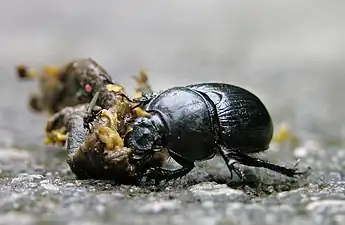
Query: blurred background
x=290, y=53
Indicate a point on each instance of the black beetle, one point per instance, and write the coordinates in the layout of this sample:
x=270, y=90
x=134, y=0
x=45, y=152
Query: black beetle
x=197, y=121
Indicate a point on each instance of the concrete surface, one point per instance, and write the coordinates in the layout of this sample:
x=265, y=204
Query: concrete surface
x=291, y=54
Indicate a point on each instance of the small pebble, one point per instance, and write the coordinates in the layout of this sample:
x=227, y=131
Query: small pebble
x=300, y=152
x=210, y=191
x=159, y=206
x=69, y=185
x=51, y=187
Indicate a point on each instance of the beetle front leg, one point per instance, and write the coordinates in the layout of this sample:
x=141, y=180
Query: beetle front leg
x=158, y=174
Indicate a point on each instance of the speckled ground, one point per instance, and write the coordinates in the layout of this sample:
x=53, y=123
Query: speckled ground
x=38, y=189
x=290, y=54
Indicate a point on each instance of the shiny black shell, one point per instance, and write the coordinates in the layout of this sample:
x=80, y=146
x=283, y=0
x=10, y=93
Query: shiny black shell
x=203, y=117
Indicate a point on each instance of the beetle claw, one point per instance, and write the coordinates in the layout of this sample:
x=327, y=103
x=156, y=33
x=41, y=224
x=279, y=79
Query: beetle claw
x=237, y=171
x=152, y=174
x=158, y=174
x=305, y=172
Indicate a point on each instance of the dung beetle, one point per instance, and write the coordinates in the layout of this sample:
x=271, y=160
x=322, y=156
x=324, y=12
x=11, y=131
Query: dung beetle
x=196, y=122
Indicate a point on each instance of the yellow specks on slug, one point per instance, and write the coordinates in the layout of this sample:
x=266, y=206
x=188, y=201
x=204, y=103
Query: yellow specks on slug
x=24, y=72
x=109, y=137
x=56, y=137
x=138, y=95
x=142, y=85
x=141, y=113
x=51, y=70
x=112, y=118
x=48, y=141
x=115, y=88
x=129, y=129
x=142, y=77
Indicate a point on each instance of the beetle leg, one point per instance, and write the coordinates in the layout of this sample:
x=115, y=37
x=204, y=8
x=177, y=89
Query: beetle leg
x=159, y=174
x=238, y=171
x=255, y=162
x=230, y=166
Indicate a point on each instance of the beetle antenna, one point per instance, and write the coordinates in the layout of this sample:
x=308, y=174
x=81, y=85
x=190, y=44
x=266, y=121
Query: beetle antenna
x=126, y=97
x=131, y=101
x=136, y=106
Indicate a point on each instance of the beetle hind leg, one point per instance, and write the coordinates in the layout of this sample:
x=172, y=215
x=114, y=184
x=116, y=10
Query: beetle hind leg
x=255, y=162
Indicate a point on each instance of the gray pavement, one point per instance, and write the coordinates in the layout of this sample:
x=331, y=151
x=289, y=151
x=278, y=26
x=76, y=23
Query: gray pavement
x=291, y=54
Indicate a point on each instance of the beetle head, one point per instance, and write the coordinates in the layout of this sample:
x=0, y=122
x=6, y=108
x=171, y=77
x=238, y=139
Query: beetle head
x=144, y=138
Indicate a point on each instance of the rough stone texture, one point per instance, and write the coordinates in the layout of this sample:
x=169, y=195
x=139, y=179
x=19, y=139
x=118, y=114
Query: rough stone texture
x=289, y=53
x=48, y=193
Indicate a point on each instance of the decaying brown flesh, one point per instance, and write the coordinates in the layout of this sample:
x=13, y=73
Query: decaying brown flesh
x=101, y=154
x=65, y=86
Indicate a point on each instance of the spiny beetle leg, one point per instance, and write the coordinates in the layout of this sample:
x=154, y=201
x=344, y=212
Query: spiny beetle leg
x=255, y=162
x=230, y=166
x=237, y=171
x=159, y=174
